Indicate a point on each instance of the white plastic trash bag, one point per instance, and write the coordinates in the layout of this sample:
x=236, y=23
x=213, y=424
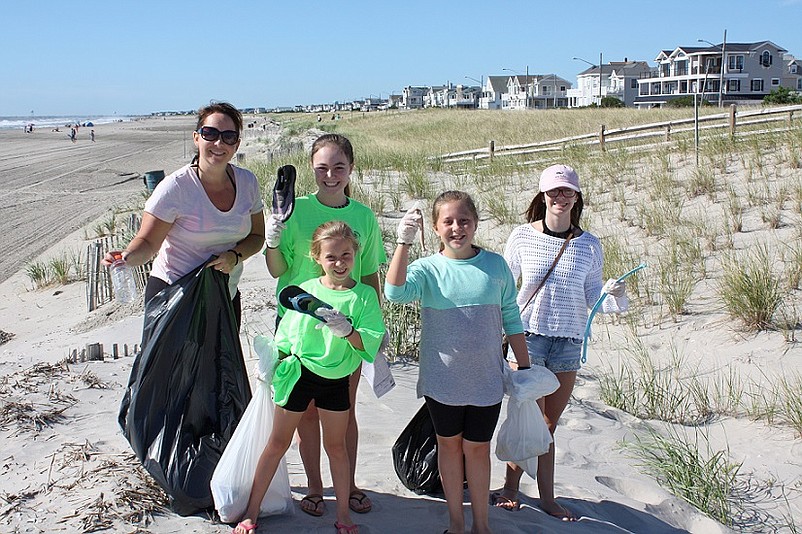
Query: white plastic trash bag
x=523, y=435
x=233, y=477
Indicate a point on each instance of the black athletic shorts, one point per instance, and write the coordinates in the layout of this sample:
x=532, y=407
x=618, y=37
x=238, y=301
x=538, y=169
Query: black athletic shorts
x=328, y=393
x=475, y=423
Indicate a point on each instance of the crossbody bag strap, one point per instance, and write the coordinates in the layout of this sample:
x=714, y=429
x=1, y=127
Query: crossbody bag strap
x=551, y=269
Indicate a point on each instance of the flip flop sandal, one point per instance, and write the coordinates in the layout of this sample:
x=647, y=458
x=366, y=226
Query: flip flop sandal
x=284, y=192
x=319, y=504
x=505, y=503
x=359, y=496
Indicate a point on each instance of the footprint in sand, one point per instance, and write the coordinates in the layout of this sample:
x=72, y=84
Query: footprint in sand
x=634, y=490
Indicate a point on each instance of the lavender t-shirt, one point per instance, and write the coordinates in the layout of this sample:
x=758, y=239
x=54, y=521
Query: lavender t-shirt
x=199, y=229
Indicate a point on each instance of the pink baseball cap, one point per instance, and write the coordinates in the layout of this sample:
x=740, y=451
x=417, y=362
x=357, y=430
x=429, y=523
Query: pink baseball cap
x=559, y=176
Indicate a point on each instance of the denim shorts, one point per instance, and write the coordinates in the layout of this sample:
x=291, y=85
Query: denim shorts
x=557, y=354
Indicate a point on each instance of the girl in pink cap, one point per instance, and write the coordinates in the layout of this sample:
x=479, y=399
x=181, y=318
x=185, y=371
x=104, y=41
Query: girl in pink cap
x=554, y=312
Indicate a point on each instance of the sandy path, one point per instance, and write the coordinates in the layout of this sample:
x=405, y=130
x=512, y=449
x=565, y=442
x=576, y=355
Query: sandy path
x=50, y=187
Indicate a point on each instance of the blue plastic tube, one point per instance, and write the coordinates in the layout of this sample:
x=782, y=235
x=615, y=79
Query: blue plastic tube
x=598, y=305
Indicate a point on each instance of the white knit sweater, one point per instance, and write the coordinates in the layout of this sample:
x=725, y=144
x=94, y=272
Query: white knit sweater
x=561, y=307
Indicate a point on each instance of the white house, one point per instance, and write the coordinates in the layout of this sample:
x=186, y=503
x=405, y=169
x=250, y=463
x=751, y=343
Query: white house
x=492, y=90
x=750, y=72
x=412, y=97
x=618, y=79
x=536, y=91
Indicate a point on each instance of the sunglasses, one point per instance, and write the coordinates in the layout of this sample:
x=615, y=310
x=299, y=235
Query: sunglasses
x=566, y=192
x=211, y=134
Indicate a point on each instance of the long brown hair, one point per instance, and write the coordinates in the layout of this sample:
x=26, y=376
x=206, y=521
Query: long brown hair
x=341, y=142
x=537, y=209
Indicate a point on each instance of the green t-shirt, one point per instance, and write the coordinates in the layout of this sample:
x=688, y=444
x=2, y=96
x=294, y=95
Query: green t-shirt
x=296, y=239
x=319, y=350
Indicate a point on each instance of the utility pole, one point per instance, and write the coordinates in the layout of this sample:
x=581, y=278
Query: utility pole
x=600, y=78
x=721, y=74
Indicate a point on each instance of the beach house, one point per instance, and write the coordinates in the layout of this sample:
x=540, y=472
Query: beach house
x=619, y=79
x=535, y=91
x=727, y=72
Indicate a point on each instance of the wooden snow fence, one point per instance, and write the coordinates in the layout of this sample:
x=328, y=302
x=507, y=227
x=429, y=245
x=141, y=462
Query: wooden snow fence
x=733, y=122
x=99, y=290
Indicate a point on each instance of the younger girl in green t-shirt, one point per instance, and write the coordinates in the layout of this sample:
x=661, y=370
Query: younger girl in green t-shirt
x=316, y=361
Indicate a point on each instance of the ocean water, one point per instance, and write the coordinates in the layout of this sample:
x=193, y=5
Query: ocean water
x=51, y=121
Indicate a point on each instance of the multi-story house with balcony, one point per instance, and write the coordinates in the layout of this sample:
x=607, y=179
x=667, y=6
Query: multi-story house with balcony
x=734, y=72
x=412, y=96
x=618, y=79
x=793, y=73
x=538, y=91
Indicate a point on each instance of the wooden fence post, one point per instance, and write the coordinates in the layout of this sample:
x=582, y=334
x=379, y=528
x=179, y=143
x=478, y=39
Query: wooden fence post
x=732, y=121
x=492, y=149
x=668, y=132
x=601, y=138
x=790, y=118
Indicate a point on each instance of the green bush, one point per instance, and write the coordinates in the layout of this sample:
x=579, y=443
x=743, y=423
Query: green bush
x=782, y=95
x=611, y=102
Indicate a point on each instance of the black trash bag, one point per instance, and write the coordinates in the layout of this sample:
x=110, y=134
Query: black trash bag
x=188, y=387
x=415, y=455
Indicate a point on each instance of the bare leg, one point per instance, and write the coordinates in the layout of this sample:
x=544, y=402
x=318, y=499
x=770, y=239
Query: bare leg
x=477, y=471
x=335, y=425
x=361, y=503
x=553, y=407
x=284, y=424
x=309, y=448
x=450, y=462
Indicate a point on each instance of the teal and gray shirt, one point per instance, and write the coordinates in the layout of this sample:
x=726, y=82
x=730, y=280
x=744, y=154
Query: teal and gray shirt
x=465, y=304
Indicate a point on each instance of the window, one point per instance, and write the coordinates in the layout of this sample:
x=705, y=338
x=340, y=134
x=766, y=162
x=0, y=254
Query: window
x=633, y=83
x=793, y=68
x=735, y=63
x=799, y=84
x=733, y=86
x=775, y=81
x=757, y=85
x=562, y=88
x=765, y=59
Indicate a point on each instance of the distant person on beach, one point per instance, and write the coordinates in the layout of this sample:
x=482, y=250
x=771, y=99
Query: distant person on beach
x=207, y=208
x=73, y=134
x=287, y=257
x=317, y=360
x=467, y=297
x=555, y=318
x=92, y=135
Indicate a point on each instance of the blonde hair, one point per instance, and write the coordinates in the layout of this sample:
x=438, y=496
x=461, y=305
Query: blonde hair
x=331, y=230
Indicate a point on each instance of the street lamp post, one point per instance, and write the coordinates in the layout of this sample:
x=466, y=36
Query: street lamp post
x=481, y=87
x=600, y=72
x=721, y=69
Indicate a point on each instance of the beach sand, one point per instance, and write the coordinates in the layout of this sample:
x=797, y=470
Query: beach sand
x=67, y=468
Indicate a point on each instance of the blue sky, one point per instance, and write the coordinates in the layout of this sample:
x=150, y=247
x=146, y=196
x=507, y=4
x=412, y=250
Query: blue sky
x=125, y=57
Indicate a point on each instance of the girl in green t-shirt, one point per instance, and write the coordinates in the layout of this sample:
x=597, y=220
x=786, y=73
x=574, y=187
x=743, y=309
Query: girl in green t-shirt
x=316, y=360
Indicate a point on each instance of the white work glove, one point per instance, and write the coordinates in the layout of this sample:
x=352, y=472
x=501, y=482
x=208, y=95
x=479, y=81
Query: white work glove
x=408, y=226
x=273, y=229
x=615, y=288
x=618, y=290
x=335, y=321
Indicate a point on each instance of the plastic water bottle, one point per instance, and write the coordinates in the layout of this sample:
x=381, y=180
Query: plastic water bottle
x=122, y=280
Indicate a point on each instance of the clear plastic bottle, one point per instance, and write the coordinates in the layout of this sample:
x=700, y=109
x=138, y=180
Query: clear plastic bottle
x=122, y=281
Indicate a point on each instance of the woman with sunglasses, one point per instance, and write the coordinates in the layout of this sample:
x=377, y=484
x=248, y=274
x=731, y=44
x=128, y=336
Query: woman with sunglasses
x=555, y=318
x=204, y=209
